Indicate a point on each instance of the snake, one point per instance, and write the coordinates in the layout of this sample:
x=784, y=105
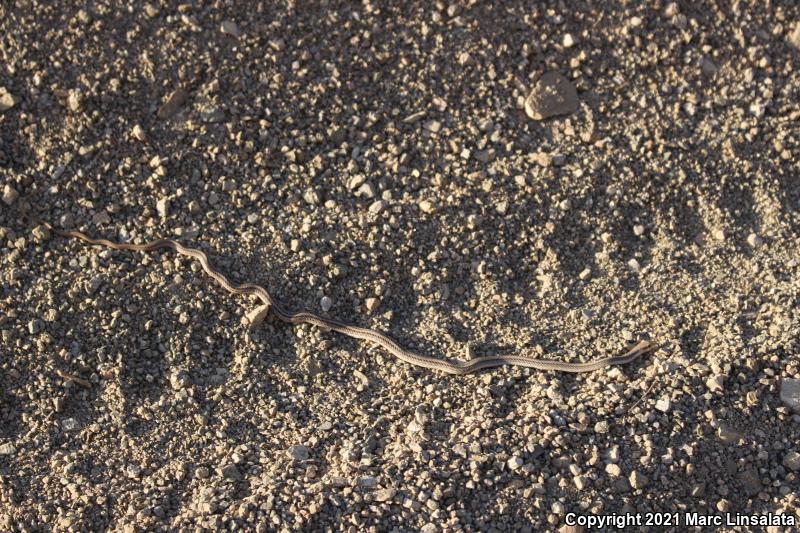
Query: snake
x=276, y=308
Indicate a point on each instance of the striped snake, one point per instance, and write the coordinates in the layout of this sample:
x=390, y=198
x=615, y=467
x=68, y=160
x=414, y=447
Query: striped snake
x=306, y=317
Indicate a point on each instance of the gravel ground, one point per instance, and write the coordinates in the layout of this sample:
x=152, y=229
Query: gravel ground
x=557, y=179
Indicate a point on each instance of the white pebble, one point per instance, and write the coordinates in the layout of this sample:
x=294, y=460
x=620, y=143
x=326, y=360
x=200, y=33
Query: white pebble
x=10, y=194
x=638, y=480
x=754, y=240
x=515, y=462
x=715, y=383
x=162, y=206
x=326, y=303
x=256, y=317
x=663, y=405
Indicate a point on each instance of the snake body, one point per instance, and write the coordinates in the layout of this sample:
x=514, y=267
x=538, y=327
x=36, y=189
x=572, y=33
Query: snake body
x=306, y=317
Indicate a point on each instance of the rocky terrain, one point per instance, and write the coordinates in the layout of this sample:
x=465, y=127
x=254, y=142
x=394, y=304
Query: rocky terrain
x=551, y=179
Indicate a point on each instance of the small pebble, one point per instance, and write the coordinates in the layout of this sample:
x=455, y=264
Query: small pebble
x=7, y=448
x=727, y=434
x=229, y=27
x=663, y=405
x=326, y=303
x=716, y=383
x=754, y=240
x=792, y=460
x=638, y=480
x=74, y=101
x=70, y=424
x=371, y=304
x=10, y=194
x=138, y=133
x=515, y=462
x=7, y=100
x=162, y=207
x=377, y=207
x=256, y=317
x=368, y=482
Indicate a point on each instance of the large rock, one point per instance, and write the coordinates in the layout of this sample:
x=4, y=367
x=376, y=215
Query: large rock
x=552, y=95
x=790, y=393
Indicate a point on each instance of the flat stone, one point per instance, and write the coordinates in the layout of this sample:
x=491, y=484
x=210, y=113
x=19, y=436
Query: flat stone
x=101, y=217
x=751, y=482
x=230, y=471
x=212, y=114
x=70, y=424
x=133, y=471
x=256, y=317
x=790, y=393
x=229, y=27
x=298, y=452
x=377, y=207
x=173, y=103
x=326, y=303
x=368, y=482
x=385, y=495
x=552, y=95
x=728, y=434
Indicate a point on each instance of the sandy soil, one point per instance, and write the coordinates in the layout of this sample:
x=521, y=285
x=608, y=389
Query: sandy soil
x=553, y=179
